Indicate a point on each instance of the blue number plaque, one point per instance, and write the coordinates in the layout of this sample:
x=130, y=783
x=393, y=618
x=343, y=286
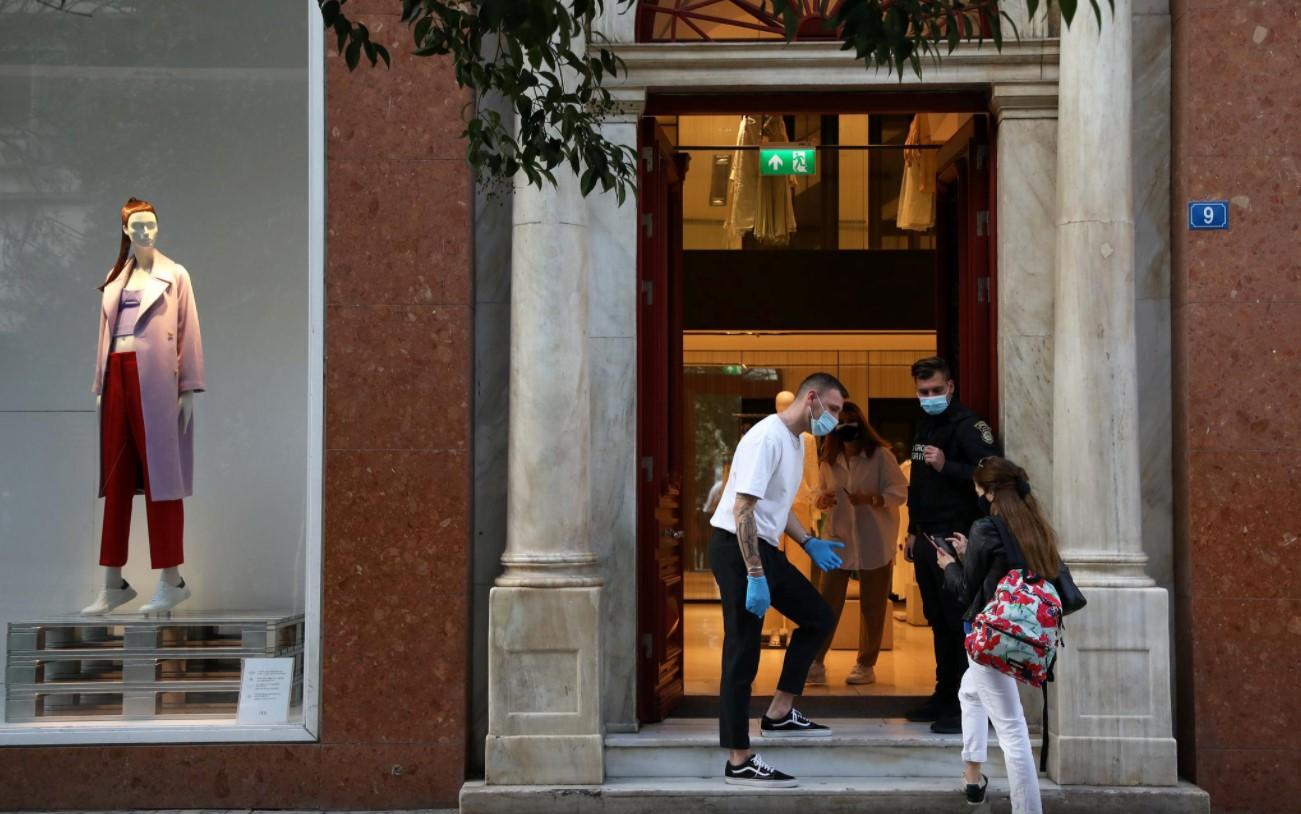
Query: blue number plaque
x=1208, y=215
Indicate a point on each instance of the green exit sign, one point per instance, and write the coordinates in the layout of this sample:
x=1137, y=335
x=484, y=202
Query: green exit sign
x=787, y=161
x=733, y=370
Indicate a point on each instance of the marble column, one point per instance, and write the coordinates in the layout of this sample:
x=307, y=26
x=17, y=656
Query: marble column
x=612, y=368
x=1110, y=711
x=544, y=716
x=1027, y=197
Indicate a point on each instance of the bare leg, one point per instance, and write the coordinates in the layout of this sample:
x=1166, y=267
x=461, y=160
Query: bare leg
x=738, y=756
x=781, y=704
x=971, y=773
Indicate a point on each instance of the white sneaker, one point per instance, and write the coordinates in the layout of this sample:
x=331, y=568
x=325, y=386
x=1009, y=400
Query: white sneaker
x=861, y=675
x=166, y=597
x=108, y=599
x=817, y=675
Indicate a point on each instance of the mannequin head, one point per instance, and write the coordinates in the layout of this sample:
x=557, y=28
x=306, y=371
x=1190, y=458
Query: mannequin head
x=139, y=228
x=142, y=229
x=784, y=399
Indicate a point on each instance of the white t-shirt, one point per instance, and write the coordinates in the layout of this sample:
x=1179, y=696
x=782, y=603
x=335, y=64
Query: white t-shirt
x=768, y=464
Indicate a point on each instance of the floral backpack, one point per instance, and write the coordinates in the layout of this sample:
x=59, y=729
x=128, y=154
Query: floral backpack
x=1019, y=631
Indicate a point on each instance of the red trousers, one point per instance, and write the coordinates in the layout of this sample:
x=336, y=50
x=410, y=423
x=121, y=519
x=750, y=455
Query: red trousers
x=124, y=466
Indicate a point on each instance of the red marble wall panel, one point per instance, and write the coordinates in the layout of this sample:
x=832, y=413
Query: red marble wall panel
x=397, y=485
x=1236, y=305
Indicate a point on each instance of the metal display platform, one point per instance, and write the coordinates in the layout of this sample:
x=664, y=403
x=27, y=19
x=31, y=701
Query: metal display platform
x=183, y=665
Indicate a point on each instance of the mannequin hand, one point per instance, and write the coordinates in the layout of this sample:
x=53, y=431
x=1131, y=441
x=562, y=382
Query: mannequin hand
x=185, y=404
x=823, y=554
x=757, y=598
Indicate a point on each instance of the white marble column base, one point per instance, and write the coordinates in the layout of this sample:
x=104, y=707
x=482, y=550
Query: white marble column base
x=1109, y=722
x=544, y=686
x=533, y=760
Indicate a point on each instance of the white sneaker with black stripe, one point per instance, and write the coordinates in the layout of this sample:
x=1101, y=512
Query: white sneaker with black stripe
x=756, y=773
x=794, y=725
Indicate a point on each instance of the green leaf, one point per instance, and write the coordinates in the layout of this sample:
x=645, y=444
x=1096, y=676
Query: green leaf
x=588, y=182
x=353, y=54
x=1068, y=10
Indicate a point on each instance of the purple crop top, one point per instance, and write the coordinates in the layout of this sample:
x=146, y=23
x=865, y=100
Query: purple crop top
x=127, y=313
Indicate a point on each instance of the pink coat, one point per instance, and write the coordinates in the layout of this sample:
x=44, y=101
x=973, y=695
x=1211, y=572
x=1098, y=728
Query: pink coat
x=169, y=355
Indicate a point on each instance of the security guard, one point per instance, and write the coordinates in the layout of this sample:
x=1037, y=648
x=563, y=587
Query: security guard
x=951, y=440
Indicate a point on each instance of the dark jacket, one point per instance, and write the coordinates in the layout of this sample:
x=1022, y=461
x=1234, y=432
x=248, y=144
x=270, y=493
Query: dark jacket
x=946, y=500
x=975, y=580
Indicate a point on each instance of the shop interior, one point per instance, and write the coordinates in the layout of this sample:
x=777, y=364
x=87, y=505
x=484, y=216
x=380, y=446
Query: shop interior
x=841, y=270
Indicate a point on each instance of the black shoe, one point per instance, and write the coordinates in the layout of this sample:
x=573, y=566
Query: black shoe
x=794, y=725
x=948, y=724
x=755, y=772
x=930, y=709
x=976, y=793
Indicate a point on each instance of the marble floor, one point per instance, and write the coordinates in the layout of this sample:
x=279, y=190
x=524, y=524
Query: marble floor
x=908, y=669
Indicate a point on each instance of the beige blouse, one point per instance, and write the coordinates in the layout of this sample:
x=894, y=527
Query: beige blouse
x=868, y=532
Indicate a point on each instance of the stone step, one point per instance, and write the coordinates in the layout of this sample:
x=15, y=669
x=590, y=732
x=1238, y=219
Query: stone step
x=820, y=796
x=857, y=748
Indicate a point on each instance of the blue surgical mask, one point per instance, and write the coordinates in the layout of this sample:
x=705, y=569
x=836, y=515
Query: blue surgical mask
x=823, y=424
x=934, y=405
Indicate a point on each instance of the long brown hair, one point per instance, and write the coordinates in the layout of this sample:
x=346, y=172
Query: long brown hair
x=134, y=206
x=1010, y=488
x=870, y=440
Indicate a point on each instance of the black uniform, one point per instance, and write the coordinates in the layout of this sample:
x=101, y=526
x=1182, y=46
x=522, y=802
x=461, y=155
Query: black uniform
x=940, y=503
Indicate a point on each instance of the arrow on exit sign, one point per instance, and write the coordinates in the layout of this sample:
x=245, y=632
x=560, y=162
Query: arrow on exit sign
x=787, y=161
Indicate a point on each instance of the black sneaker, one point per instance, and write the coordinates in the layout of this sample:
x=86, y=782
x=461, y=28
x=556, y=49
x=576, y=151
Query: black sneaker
x=976, y=793
x=755, y=772
x=794, y=725
x=931, y=709
x=948, y=724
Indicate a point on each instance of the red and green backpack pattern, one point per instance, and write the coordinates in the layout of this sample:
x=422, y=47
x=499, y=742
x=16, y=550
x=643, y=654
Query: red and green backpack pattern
x=1020, y=629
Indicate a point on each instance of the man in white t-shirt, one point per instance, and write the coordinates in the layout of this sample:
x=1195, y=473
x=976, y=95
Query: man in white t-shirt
x=753, y=573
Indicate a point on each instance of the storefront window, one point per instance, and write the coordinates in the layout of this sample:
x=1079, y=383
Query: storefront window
x=194, y=373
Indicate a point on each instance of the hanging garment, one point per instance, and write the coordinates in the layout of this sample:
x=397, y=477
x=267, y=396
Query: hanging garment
x=917, y=195
x=169, y=357
x=763, y=205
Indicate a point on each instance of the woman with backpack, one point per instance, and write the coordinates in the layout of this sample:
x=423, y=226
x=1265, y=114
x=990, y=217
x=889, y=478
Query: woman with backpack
x=1015, y=535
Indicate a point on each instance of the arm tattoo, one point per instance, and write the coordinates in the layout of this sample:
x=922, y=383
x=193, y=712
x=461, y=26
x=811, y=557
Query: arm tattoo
x=747, y=534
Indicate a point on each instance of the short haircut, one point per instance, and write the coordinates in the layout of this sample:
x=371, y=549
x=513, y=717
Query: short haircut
x=821, y=382
x=928, y=367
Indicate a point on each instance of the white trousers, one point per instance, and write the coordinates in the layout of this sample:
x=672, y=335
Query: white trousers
x=988, y=696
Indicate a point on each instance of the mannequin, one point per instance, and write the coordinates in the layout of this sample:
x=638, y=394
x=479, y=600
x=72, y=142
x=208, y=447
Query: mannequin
x=148, y=367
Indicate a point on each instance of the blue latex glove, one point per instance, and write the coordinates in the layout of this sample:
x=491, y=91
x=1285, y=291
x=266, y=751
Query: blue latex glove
x=823, y=553
x=757, y=598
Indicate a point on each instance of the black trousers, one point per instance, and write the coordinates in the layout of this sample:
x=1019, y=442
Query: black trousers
x=944, y=614
x=794, y=597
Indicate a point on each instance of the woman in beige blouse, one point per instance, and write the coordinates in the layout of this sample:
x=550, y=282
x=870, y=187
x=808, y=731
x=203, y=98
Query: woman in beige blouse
x=862, y=488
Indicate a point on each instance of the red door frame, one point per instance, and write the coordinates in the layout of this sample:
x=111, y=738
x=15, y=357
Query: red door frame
x=661, y=651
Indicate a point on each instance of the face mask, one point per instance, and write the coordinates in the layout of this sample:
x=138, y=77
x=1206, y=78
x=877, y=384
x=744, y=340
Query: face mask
x=823, y=424
x=934, y=405
x=849, y=432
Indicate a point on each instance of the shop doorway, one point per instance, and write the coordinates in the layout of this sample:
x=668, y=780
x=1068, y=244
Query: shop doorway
x=747, y=284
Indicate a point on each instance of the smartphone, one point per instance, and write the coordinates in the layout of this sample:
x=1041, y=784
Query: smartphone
x=940, y=544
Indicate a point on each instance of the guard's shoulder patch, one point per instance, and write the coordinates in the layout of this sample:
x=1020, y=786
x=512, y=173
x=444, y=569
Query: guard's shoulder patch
x=986, y=432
